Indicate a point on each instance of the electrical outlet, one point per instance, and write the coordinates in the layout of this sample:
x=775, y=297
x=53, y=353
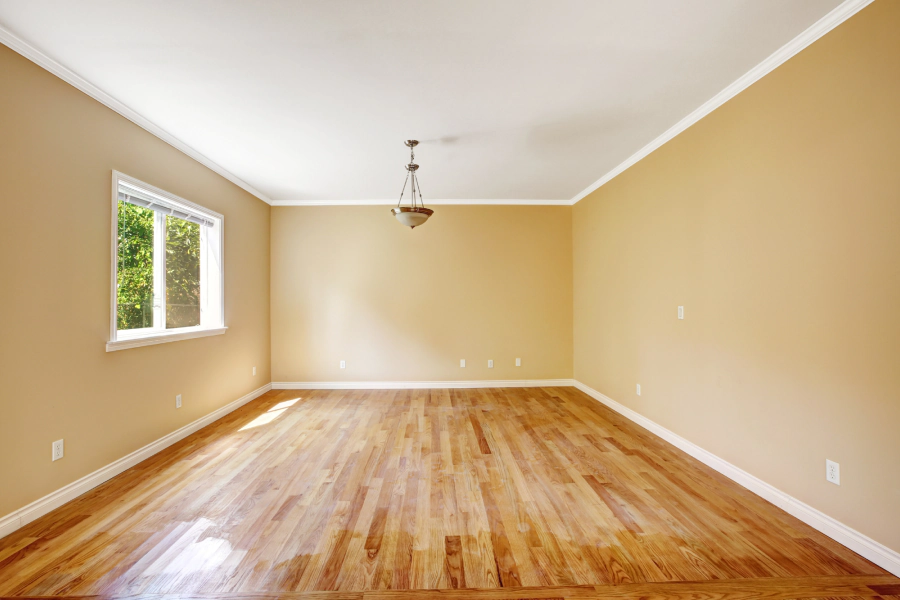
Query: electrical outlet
x=254, y=370
x=681, y=312
x=343, y=364
x=518, y=362
x=490, y=364
x=638, y=389
x=462, y=362
x=832, y=472
x=178, y=401
x=58, y=450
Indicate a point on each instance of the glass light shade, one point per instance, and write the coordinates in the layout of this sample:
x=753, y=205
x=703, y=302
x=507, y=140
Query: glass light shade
x=412, y=216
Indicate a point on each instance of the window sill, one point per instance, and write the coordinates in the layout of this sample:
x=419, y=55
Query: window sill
x=162, y=338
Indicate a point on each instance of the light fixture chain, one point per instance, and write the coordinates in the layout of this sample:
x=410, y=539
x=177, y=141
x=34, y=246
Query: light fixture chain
x=419, y=187
x=403, y=191
x=412, y=161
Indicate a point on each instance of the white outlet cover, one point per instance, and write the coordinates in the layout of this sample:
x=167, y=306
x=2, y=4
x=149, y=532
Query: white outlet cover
x=832, y=472
x=490, y=364
x=462, y=362
x=254, y=370
x=178, y=401
x=681, y=312
x=343, y=364
x=58, y=450
x=638, y=389
x=518, y=362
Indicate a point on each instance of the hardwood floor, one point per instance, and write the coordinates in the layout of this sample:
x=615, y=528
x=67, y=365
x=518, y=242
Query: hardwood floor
x=365, y=493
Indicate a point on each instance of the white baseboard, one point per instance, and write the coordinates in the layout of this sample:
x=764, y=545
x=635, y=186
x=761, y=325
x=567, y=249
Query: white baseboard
x=42, y=506
x=863, y=545
x=418, y=385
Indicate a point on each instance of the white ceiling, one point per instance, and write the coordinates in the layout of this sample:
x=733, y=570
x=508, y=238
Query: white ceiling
x=512, y=99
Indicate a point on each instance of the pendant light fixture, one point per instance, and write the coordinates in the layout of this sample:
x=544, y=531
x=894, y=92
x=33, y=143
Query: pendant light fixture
x=415, y=214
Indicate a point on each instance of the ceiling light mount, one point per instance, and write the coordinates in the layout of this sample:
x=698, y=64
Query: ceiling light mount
x=415, y=214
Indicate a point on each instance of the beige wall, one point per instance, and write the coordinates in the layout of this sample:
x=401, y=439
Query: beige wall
x=775, y=222
x=475, y=282
x=57, y=150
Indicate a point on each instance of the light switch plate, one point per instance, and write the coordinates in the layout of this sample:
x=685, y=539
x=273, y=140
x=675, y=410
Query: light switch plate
x=462, y=362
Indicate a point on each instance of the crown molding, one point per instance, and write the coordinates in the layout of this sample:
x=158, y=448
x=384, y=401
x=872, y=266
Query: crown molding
x=834, y=18
x=36, y=56
x=841, y=13
x=393, y=202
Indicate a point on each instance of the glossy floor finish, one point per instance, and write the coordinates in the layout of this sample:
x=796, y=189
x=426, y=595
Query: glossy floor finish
x=381, y=490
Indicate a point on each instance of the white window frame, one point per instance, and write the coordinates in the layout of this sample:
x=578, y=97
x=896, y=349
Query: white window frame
x=212, y=276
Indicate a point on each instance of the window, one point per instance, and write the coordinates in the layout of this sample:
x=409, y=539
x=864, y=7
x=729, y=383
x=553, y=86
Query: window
x=167, y=280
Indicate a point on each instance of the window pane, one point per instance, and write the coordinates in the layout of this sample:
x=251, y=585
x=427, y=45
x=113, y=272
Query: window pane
x=134, y=282
x=182, y=273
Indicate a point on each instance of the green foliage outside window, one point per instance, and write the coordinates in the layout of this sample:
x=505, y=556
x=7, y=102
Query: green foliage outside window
x=134, y=281
x=182, y=273
x=134, y=292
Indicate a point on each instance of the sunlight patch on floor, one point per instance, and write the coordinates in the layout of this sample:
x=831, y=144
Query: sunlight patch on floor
x=270, y=415
x=285, y=404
